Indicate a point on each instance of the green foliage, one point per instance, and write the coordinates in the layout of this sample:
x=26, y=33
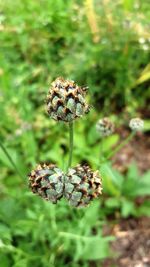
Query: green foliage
x=124, y=190
x=54, y=236
x=44, y=39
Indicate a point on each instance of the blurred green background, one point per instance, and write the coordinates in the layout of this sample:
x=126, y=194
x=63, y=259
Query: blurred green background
x=102, y=44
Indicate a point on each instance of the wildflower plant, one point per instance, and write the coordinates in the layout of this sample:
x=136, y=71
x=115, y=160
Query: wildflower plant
x=136, y=125
x=105, y=128
x=79, y=185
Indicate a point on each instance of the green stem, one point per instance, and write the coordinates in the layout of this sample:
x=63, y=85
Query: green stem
x=10, y=159
x=73, y=236
x=70, y=144
x=121, y=145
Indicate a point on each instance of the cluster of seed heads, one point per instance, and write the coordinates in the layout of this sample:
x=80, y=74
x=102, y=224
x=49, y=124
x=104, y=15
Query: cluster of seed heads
x=136, y=124
x=66, y=102
x=105, y=126
x=79, y=186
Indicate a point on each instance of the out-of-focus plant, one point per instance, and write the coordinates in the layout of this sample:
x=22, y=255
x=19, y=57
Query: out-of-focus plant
x=124, y=190
x=108, y=42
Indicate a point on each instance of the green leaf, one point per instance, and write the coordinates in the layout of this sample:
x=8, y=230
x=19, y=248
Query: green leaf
x=5, y=260
x=5, y=233
x=21, y=262
x=15, y=158
x=91, y=215
x=127, y=207
x=92, y=135
x=145, y=179
x=128, y=4
x=142, y=190
x=96, y=248
x=112, y=181
x=144, y=209
x=137, y=186
x=143, y=78
x=112, y=202
x=109, y=142
x=133, y=172
x=146, y=125
x=30, y=147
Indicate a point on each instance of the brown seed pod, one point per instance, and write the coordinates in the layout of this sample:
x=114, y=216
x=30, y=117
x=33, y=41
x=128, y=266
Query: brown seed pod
x=66, y=100
x=105, y=127
x=47, y=181
x=82, y=185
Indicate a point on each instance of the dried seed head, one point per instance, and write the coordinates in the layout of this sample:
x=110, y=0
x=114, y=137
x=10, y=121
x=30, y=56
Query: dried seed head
x=136, y=124
x=82, y=185
x=105, y=127
x=47, y=182
x=66, y=100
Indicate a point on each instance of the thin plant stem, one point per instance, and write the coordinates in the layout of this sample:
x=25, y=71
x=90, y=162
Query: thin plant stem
x=131, y=135
x=10, y=159
x=70, y=144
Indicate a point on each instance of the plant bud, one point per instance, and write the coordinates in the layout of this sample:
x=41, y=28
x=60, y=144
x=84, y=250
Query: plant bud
x=82, y=185
x=136, y=124
x=47, y=182
x=105, y=127
x=66, y=100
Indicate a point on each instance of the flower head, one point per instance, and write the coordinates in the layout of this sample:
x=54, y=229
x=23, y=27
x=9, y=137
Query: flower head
x=66, y=100
x=46, y=180
x=136, y=124
x=82, y=185
x=105, y=127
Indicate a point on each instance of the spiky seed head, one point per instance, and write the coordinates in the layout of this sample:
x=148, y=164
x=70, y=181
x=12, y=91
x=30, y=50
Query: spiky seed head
x=136, y=124
x=82, y=185
x=47, y=181
x=66, y=100
x=105, y=127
